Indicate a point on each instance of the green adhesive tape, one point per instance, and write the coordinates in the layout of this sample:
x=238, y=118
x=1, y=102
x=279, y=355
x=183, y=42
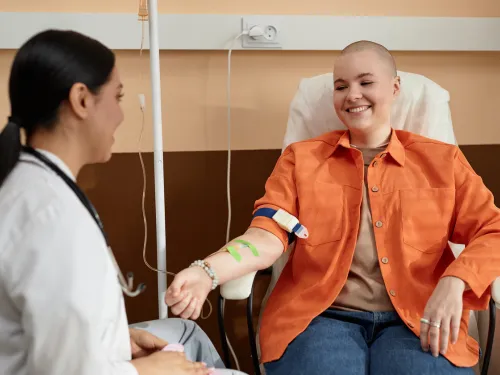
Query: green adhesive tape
x=234, y=253
x=250, y=246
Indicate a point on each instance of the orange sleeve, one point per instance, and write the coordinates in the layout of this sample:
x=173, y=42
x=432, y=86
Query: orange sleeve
x=477, y=226
x=280, y=192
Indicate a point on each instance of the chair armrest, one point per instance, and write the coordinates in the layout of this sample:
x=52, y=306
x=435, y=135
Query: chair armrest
x=495, y=292
x=238, y=289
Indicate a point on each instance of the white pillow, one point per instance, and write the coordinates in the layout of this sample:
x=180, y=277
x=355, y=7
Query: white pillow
x=422, y=107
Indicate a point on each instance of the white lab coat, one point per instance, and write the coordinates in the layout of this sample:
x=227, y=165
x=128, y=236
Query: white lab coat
x=61, y=307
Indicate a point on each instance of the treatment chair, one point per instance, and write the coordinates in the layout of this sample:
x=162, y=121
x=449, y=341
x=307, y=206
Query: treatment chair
x=423, y=108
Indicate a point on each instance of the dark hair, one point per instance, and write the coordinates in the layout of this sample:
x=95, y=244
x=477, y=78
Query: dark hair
x=43, y=72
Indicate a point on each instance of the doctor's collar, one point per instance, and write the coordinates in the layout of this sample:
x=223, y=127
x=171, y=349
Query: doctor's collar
x=53, y=158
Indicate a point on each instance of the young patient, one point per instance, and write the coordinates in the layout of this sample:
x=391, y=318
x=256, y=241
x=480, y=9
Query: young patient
x=374, y=288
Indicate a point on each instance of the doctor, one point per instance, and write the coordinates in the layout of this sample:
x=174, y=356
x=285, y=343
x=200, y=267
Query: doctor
x=62, y=309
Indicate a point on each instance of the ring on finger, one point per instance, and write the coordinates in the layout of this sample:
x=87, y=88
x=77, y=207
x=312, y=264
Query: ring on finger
x=425, y=321
x=435, y=324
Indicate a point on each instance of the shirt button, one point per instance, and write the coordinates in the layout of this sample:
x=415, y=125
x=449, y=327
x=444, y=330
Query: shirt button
x=393, y=293
x=374, y=164
x=374, y=189
x=410, y=324
x=385, y=260
x=378, y=224
x=383, y=156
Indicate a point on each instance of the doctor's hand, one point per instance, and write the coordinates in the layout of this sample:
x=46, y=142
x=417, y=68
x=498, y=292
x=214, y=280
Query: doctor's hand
x=169, y=363
x=442, y=316
x=188, y=292
x=144, y=343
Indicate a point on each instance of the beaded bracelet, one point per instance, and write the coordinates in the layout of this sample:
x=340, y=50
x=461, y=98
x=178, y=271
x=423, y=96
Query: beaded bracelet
x=208, y=269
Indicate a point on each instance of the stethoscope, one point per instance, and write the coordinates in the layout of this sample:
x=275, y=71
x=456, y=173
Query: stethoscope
x=127, y=285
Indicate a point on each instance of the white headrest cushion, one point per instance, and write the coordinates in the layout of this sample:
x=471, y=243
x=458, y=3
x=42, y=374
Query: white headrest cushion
x=422, y=107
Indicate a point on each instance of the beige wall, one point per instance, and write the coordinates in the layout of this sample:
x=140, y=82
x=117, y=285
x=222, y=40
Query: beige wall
x=447, y=8
x=263, y=82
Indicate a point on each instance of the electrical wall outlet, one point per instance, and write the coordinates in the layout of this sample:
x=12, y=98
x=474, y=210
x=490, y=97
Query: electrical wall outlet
x=271, y=27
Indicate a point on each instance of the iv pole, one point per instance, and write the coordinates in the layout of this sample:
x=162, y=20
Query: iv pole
x=161, y=250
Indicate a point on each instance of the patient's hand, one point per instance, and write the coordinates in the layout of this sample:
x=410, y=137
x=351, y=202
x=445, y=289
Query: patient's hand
x=444, y=308
x=188, y=292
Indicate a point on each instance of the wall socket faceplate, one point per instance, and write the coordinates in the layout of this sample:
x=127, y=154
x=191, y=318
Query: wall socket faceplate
x=271, y=27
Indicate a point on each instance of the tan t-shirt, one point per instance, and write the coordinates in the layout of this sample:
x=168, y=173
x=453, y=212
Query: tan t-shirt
x=364, y=289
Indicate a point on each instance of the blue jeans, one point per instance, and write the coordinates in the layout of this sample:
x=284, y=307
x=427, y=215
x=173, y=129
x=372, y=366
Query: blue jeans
x=359, y=343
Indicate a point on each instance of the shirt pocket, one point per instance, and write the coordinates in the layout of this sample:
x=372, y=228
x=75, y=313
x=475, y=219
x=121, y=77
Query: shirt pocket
x=426, y=216
x=321, y=207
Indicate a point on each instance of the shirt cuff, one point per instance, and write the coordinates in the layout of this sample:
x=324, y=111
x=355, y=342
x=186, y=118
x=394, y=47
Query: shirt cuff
x=271, y=226
x=477, y=296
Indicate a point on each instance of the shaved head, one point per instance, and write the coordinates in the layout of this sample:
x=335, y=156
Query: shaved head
x=365, y=87
x=380, y=50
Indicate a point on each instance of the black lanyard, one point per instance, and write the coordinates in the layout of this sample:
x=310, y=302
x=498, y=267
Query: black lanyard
x=71, y=184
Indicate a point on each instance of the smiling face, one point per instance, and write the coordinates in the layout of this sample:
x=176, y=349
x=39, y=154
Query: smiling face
x=364, y=89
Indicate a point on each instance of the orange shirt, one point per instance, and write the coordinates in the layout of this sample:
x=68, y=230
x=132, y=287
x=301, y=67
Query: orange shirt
x=422, y=194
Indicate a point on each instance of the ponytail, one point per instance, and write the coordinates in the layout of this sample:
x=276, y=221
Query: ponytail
x=10, y=149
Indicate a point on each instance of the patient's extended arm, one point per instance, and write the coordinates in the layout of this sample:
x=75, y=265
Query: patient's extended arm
x=258, y=248
x=191, y=286
x=228, y=268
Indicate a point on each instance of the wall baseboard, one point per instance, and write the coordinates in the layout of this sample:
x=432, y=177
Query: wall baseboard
x=305, y=33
